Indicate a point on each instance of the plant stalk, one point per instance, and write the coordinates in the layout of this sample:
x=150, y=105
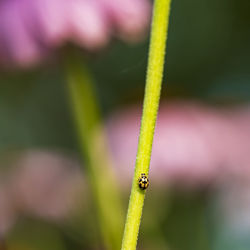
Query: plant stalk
x=150, y=109
x=94, y=147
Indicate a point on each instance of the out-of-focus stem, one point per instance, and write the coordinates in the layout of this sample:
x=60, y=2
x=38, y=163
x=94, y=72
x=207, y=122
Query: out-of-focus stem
x=95, y=150
x=150, y=109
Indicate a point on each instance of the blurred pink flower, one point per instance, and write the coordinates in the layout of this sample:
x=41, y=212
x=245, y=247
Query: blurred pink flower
x=41, y=184
x=7, y=211
x=193, y=144
x=30, y=29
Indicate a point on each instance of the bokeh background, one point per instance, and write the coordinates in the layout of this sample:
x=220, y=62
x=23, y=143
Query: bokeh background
x=199, y=196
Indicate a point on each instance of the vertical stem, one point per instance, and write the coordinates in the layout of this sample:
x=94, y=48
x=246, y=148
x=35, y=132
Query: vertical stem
x=95, y=150
x=150, y=109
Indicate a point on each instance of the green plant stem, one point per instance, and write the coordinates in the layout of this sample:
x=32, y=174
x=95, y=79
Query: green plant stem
x=95, y=151
x=150, y=109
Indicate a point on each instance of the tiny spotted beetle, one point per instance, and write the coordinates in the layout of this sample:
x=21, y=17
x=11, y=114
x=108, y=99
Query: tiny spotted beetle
x=143, y=182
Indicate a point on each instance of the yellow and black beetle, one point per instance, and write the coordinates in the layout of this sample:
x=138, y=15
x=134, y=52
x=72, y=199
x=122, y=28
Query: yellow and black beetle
x=143, y=182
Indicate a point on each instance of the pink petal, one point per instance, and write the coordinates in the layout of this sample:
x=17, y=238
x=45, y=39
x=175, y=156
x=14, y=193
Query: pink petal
x=87, y=24
x=49, y=20
x=16, y=42
x=130, y=17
